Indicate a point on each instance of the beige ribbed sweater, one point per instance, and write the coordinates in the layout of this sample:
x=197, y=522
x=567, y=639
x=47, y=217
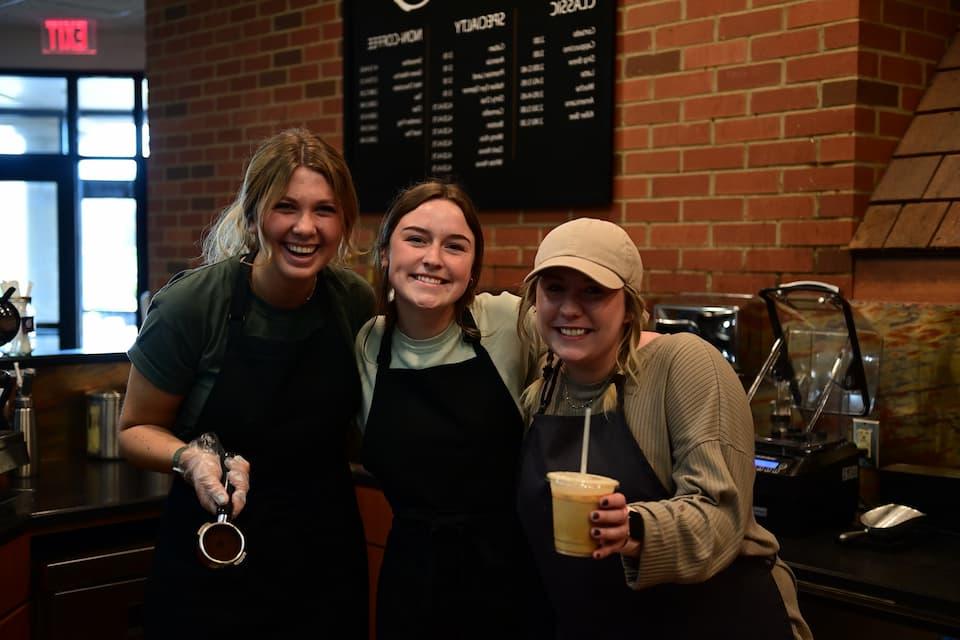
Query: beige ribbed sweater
x=692, y=421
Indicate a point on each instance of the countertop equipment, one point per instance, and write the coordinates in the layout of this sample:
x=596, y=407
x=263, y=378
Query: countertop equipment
x=103, y=414
x=888, y=524
x=733, y=323
x=25, y=423
x=13, y=448
x=821, y=366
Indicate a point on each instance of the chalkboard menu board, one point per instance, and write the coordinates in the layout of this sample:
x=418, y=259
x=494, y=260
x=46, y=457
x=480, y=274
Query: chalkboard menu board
x=513, y=99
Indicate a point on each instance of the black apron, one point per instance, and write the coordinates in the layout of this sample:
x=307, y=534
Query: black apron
x=590, y=598
x=286, y=407
x=444, y=444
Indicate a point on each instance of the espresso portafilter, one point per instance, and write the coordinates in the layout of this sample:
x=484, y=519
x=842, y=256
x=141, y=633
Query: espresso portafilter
x=220, y=543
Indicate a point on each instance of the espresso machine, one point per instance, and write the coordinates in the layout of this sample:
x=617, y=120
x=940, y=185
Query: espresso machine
x=14, y=456
x=733, y=323
x=822, y=371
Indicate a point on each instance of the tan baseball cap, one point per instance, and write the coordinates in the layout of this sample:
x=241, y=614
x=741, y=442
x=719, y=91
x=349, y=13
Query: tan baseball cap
x=599, y=249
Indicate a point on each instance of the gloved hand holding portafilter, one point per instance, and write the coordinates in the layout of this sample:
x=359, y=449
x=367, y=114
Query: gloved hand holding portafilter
x=221, y=482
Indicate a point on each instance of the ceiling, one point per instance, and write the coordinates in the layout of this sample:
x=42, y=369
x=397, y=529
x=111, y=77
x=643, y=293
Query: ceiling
x=116, y=13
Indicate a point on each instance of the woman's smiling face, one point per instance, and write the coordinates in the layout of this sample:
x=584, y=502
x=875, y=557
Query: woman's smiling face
x=304, y=228
x=429, y=260
x=581, y=321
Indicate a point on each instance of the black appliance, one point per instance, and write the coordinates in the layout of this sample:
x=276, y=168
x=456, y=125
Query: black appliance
x=13, y=446
x=820, y=365
x=735, y=324
x=802, y=485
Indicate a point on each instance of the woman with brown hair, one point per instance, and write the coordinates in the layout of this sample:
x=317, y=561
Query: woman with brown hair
x=442, y=373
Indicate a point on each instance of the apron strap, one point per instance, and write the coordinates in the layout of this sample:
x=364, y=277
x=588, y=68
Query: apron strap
x=386, y=344
x=551, y=373
x=473, y=336
x=240, y=294
x=239, y=297
x=619, y=381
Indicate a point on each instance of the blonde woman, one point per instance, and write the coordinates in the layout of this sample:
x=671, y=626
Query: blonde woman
x=679, y=553
x=256, y=347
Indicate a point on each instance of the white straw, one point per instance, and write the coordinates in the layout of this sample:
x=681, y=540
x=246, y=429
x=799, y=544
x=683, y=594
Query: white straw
x=585, y=446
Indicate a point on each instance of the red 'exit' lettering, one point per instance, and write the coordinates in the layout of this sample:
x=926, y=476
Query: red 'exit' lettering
x=69, y=37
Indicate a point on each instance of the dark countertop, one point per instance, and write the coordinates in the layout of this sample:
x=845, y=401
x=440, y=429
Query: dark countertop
x=916, y=579
x=46, y=357
x=80, y=493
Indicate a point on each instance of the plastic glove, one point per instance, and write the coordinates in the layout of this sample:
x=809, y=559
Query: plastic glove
x=200, y=462
x=238, y=476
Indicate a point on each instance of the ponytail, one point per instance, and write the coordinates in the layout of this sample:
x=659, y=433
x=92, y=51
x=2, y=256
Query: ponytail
x=229, y=235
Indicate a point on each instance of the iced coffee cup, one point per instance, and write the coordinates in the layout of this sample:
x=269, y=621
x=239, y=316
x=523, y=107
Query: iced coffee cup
x=575, y=495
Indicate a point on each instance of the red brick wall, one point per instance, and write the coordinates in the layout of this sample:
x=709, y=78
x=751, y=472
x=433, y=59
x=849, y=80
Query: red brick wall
x=223, y=76
x=749, y=133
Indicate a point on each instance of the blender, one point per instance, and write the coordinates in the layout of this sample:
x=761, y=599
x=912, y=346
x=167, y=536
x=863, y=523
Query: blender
x=824, y=368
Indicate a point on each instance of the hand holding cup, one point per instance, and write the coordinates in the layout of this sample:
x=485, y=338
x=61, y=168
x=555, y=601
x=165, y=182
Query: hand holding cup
x=610, y=527
x=575, y=497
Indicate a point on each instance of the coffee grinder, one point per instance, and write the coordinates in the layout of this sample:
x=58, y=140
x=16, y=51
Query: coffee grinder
x=824, y=367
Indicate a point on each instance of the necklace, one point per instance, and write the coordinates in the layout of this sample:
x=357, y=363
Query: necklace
x=265, y=291
x=580, y=405
x=313, y=289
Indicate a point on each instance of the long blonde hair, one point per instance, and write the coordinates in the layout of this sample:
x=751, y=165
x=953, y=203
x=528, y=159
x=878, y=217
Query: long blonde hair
x=239, y=228
x=628, y=359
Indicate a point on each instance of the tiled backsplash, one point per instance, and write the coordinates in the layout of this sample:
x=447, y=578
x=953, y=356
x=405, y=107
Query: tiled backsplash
x=918, y=400
x=918, y=393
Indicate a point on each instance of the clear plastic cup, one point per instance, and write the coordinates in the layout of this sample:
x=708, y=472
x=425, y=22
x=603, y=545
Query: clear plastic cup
x=575, y=495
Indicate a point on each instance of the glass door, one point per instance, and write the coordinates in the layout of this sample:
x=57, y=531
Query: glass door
x=29, y=257
x=73, y=203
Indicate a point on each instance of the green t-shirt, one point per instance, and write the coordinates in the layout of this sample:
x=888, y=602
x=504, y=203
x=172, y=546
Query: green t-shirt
x=184, y=336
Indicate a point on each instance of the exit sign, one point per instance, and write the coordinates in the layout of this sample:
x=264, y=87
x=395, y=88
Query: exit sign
x=69, y=37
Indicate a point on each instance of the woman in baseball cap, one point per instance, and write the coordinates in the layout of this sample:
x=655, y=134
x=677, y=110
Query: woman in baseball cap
x=679, y=552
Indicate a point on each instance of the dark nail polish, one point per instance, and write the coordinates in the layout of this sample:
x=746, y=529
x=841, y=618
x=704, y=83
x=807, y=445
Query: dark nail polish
x=594, y=516
x=596, y=533
x=604, y=502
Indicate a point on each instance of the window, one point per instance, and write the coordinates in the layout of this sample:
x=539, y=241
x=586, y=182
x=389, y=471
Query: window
x=73, y=188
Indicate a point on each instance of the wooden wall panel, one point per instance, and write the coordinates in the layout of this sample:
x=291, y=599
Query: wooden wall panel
x=927, y=279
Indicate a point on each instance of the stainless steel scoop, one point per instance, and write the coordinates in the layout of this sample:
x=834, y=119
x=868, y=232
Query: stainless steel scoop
x=887, y=521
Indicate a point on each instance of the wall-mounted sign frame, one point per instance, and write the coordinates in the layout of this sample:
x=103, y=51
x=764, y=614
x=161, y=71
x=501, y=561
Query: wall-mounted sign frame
x=69, y=37
x=512, y=99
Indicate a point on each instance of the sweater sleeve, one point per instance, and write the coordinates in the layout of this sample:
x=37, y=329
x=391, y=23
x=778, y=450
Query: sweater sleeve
x=698, y=530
